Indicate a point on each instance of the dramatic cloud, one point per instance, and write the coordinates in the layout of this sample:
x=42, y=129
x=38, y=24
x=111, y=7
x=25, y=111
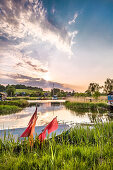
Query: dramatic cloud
x=39, y=82
x=28, y=38
x=26, y=21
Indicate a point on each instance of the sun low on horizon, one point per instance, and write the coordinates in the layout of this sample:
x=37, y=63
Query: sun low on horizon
x=68, y=43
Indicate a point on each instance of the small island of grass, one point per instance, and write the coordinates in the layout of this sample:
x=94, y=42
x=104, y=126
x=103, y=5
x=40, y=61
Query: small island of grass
x=8, y=107
x=87, y=106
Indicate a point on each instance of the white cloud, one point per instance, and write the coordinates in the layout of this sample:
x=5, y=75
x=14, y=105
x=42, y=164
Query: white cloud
x=73, y=20
x=13, y=61
x=28, y=39
x=32, y=24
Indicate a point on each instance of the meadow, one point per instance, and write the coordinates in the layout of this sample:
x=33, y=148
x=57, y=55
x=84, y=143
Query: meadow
x=26, y=91
x=79, y=148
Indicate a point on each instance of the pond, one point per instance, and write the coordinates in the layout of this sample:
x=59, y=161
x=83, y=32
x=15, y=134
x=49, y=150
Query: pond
x=16, y=123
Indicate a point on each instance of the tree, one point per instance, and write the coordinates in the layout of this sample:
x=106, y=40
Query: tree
x=96, y=94
x=55, y=91
x=10, y=90
x=88, y=93
x=2, y=88
x=93, y=87
x=108, y=87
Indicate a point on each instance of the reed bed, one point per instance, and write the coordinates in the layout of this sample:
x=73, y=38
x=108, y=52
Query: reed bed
x=8, y=107
x=19, y=103
x=87, y=107
x=79, y=148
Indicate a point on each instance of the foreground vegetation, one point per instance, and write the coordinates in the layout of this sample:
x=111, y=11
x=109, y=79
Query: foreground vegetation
x=87, y=106
x=8, y=107
x=80, y=148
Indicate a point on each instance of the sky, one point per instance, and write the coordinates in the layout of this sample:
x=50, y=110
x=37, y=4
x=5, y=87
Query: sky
x=65, y=42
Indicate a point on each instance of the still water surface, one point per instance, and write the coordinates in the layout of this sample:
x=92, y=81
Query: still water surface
x=46, y=112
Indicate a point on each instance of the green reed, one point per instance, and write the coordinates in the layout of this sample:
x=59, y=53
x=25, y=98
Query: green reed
x=13, y=106
x=87, y=107
x=78, y=148
x=19, y=103
x=6, y=109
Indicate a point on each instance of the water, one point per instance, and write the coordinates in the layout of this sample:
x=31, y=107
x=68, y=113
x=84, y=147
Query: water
x=46, y=112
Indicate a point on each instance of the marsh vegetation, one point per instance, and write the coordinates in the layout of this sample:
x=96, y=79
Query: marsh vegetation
x=79, y=148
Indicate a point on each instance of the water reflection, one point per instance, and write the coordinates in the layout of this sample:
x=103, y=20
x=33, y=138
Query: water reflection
x=46, y=112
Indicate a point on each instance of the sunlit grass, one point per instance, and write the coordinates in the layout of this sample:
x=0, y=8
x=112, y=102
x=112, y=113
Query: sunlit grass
x=26, y=91
x=78, y=148
x=20, y=103
x=8, y=107
x=87, y=107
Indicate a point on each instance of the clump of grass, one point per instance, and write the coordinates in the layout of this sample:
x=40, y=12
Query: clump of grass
x=86, y=107
x=6, y=109
x=13, y=106
x=78, y=148
x=19, y=103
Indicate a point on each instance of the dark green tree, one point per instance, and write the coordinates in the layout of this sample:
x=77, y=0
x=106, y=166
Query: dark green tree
x=55, y=91
x=96, y=94
x=93, y=87
x=10, y=90
x=108, y=85
x=2, y=88
x=88, y=93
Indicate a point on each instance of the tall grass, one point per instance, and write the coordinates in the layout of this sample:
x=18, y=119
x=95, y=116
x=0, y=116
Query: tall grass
x=6, y=109
x=86, y=107
x=78, y=148
x=19, y=103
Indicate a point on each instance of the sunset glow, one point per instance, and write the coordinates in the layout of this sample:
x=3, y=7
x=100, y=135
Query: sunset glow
x=71, y=45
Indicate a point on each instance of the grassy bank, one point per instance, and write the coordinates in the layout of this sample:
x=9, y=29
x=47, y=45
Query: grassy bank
x=22, y=97
x=8, y=107
x=32, y=98
x=81, y=149
x=86, y=107
x=19, y=103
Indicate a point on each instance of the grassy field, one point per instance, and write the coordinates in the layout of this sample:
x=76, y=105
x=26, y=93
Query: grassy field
x=26, y=90
x=81, y=149
x=87, y=107
x=8, y=107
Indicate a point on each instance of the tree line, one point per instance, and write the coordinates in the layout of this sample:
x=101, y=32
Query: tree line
x=94, y=89
x=34, y=91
